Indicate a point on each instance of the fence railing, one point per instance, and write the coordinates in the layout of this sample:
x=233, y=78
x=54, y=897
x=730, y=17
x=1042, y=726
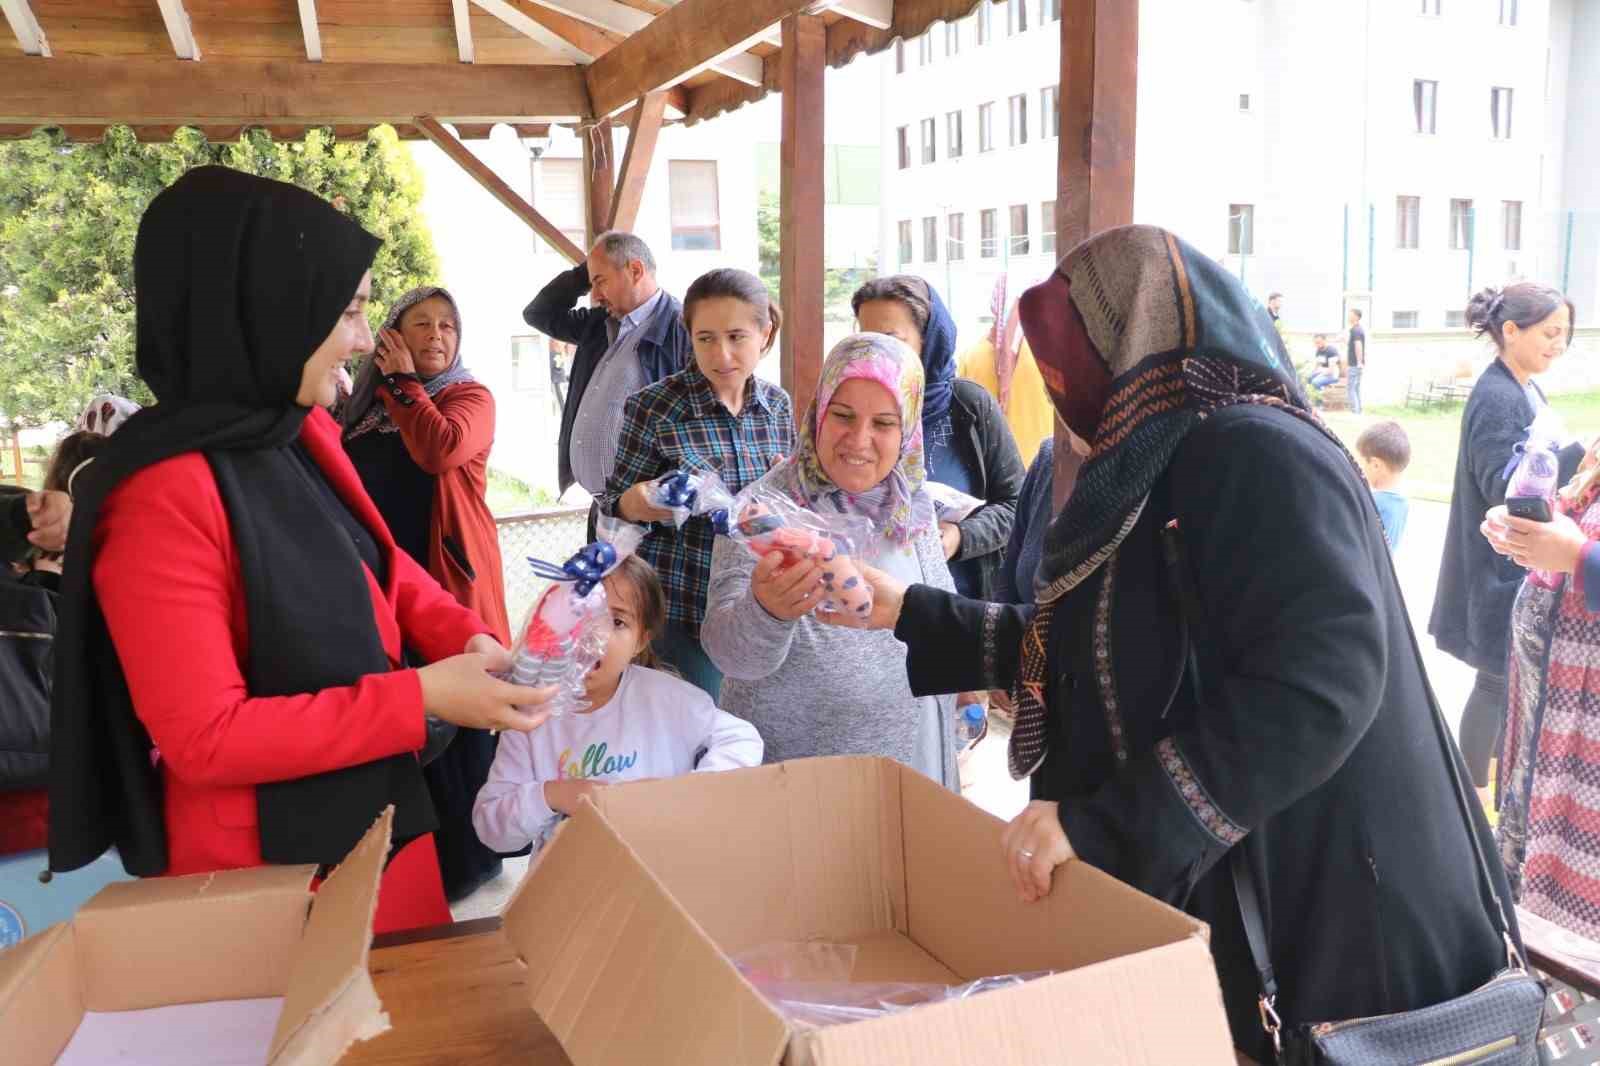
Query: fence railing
x=551, y=534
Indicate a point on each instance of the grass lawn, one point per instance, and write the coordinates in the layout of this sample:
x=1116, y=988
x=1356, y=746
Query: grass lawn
x=1436, y=434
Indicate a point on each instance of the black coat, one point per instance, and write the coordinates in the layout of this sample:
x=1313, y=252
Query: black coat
x=664, y=345
x=15, y=525
x=1472, y=607
x=1321, y=747
x=983, y=440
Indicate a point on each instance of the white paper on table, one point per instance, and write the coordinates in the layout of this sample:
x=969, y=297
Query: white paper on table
x=229, y=1032
x=951, y=504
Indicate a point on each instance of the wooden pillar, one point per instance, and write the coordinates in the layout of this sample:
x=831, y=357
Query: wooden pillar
x=600, y=169
x=1094, y=171
x=644, y=127
x=801, y=65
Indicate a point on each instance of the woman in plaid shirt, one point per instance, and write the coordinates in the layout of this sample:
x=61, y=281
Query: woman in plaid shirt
x=713, y=416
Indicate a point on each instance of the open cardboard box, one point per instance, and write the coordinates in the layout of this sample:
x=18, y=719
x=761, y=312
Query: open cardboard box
x=627, y=918
x=196, y=966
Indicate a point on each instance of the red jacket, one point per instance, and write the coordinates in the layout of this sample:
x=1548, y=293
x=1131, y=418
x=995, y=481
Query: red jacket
x=449, y=436
x=167, y=577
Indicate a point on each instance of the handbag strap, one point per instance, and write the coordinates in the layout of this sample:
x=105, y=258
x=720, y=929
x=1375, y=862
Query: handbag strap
x=1202, y=657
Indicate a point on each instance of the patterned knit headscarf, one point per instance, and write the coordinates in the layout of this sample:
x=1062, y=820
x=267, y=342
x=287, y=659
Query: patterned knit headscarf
x=1138, y=337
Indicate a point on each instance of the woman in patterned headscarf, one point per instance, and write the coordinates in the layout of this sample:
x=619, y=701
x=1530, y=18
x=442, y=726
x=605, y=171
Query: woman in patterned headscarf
x=1314, y=744
x=818, y=690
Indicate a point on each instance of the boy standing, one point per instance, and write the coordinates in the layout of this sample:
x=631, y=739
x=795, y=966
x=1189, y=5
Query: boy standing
x=1385, y=452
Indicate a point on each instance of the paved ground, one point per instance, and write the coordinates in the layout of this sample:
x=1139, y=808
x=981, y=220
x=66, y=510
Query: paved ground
x=988, y=782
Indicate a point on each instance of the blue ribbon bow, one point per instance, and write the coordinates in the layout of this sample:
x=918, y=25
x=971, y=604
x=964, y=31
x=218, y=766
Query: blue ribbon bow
x=587, y=566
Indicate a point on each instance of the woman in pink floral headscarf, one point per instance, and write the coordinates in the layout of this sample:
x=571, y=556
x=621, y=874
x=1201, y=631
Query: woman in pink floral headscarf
x=810, y=688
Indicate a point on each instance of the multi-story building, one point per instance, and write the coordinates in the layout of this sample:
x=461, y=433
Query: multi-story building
x=1392, y=155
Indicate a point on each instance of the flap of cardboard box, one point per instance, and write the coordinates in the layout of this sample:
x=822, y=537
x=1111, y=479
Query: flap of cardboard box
x=619, y=971
x=40, y=998
x=329, y=1002
x=812, y=845
x=167, y=940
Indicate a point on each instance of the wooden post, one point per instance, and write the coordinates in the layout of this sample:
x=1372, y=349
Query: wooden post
x=1094, y=171
x=644, y=126
x=600, y=170
x=801, y=67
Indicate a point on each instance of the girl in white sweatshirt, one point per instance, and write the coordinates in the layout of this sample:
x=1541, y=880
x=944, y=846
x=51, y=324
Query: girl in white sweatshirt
x=641, y=723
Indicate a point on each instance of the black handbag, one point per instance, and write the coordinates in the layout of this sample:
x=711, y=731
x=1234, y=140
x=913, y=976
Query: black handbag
x=1495, y=1024
x=27, y=641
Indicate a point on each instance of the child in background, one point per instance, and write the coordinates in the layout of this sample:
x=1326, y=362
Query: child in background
x=641, y=723
x=1385, y=452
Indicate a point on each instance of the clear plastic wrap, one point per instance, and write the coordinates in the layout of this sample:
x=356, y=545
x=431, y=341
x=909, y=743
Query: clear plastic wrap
x=951, y=504
x=765, y=521
x=565, y=632
x=1534, y=473
x=809, y=983
x=687, y=493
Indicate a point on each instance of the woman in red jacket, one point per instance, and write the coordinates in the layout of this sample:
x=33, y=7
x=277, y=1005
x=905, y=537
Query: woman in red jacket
x=418, y=428
x=229, y=683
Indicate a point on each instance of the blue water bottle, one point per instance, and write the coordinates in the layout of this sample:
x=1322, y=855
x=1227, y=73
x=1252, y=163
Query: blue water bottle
x=970, y=723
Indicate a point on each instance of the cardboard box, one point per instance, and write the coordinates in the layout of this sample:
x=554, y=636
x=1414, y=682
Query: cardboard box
x=221, y=940
x=627, y=918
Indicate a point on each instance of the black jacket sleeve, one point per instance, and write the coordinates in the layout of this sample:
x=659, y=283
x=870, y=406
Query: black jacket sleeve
x=954, y=644
x=554, y=312
x=15, y=525
x=989, y=527
x=1285, y=558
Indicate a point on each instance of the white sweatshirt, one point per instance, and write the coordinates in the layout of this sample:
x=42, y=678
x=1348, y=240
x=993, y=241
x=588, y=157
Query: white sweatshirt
x=654, y=726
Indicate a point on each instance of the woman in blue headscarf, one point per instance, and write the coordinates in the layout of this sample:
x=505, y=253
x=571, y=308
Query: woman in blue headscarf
x=967, y=443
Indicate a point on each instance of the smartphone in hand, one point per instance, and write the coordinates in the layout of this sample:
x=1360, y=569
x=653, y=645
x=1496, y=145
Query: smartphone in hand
x=1533, y=508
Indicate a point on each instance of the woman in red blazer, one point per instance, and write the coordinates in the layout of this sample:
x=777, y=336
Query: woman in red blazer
x=229, y=680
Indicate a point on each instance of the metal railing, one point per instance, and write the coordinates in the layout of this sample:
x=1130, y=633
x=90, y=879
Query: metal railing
x=550, y=534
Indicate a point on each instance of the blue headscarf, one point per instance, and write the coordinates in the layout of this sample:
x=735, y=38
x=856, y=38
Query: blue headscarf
x=938, y=360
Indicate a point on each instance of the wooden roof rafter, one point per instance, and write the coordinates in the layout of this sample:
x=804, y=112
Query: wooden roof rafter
x=25, y=27
x=179, y=29
x=311, y=30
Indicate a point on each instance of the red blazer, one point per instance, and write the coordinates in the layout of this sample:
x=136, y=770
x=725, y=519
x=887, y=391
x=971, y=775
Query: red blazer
x=167, y=577
x=449, y=436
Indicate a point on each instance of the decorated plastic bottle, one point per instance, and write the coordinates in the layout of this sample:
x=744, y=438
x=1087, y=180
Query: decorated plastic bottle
x=970, y=723
x=1536, y=474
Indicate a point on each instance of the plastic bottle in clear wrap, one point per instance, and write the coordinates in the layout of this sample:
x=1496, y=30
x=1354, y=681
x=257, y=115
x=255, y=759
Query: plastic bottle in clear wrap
x=687, y=493
x=1531, y=491
x=970, y=723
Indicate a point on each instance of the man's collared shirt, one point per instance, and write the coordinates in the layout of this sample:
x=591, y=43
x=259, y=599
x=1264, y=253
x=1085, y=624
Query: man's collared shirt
x=599, y=422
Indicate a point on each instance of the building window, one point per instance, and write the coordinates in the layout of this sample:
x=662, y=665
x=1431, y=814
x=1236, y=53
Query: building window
x=1511, y=219
x=985, y=19
x=1431, y=7
x=1019, y=229
x=1016, y=16
x=1407, y=221
x=988, y=235
x=1500, y=112
x=986, y=126
x=525, y=362
x=955, y=225
x=952, y=38
x=900, y=57
x=930, y=239
x=1508, y=12
x=1405, y=320
x=1425, y=103
x=1244, y=101
x=1047, y=227
x=1050, y=112
x=696, y=216
x=952, y=135
x=930, y=147
x=902, y=137
x=1460, y=224
x=925, y=48
x=560, y=198
x=1241, y=229
x=905, y=241
x=1455, y=320
x=1049, y=11
x=1019, y=119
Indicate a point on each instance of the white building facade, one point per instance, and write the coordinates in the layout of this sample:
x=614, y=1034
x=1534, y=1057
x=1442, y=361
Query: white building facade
x=1392, y=155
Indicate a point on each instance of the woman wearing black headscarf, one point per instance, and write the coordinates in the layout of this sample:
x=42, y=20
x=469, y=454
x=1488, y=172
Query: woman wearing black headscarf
x=1314, y=744
x=227, y=690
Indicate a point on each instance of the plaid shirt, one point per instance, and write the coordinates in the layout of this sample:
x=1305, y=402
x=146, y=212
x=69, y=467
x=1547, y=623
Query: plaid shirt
x=679, y=424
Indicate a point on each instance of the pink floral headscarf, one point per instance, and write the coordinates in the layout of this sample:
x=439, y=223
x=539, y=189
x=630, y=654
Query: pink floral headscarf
x=891, y=506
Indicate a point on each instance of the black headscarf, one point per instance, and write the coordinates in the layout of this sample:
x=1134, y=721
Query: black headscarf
x=238, y=281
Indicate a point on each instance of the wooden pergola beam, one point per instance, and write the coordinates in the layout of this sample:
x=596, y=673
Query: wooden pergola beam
x=513, y=15
x=461, y=14
x=626, y=21
x=678, y=44
x=311, y=30
x=600, y=172
x=801, y=66
x=643, y=131
x=483, y=175
x=25, y=27
x=79, y=90
x=179, y=29
x=878, y=14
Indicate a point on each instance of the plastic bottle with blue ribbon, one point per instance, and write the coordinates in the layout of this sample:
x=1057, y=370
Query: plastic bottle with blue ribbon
x=1534, y=472
x=565, y=632
x=688, y=493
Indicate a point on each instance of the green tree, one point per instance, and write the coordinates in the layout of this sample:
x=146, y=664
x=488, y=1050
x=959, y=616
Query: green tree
x=838, y=283
x=69, y=214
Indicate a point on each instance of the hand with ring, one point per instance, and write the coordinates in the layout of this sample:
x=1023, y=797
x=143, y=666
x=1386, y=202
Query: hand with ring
x=1033, y=845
